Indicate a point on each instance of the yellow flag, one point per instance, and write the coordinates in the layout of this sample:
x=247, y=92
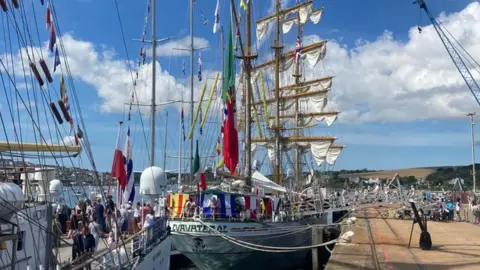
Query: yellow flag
x=220, y=163
x=243, y=5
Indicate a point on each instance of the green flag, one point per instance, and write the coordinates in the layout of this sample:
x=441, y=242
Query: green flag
x=196, y=161
x=229, y=72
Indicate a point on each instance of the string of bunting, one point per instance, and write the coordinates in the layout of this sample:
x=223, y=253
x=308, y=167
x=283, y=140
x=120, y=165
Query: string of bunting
x=143, y=56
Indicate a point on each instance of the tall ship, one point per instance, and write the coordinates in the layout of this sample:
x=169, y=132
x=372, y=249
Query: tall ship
x=43, y=143
x=244, y=218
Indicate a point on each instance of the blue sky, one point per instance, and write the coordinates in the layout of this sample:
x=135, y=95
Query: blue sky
x=388, y=132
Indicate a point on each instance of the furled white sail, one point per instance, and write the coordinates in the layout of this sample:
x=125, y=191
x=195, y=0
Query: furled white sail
x=263, y=182
x=304, y=10
x=319, y=149
x=262, y=29
x=316, y=16
x=311, y=121
x=332, y=155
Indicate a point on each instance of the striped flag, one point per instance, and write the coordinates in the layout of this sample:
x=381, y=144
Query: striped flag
x=49, y=17
x=118, y=170
x=53, y=38
x=129, y=194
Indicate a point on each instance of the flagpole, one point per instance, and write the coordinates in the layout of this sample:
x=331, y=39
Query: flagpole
x=180, y=138
x=192, y=50
x=165, y=144
x=154, y=62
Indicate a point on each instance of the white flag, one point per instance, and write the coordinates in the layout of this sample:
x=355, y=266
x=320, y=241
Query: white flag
x=216, y=25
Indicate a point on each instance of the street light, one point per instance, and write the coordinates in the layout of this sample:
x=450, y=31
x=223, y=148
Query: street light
x=472, y=124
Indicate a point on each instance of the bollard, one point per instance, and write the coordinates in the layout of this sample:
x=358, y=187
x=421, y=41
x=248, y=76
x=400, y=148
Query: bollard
x=317, y=238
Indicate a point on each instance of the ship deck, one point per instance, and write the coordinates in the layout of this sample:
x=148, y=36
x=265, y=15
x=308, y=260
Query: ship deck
x=456, y=245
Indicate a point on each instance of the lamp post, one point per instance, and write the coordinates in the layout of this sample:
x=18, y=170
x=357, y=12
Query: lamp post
x=472, y=124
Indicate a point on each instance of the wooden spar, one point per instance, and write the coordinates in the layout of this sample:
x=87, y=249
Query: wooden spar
x=291, y=54
x=296, y=139
x=284, y=11
x=311, y=93
x=37, y=147
x=308, y=114
x=302, y=85
x=334, y=146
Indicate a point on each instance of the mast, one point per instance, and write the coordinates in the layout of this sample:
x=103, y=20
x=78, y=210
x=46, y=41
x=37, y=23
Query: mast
x=154, y=62
x=192, y=51
x=322, y=148
x=248, y=121
x=180, y=137
x=472, y=125
x=165, y=144
x=277, y=48
x=222, y=41
x=297, y=75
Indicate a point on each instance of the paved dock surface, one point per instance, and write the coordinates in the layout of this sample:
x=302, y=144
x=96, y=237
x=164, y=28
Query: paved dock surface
x=456, y=245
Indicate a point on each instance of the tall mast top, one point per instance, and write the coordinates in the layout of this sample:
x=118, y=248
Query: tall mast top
x=154, y=61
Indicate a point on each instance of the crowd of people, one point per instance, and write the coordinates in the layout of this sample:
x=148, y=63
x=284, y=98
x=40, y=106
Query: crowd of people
x=91, y=221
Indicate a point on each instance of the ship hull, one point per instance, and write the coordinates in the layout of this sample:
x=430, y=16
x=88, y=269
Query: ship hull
x=158, y=258
x=208, y=250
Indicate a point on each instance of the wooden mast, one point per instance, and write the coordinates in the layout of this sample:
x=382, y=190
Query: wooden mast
x=297, y=76
x=277, y=49
x=247, y=56
x=248, y=121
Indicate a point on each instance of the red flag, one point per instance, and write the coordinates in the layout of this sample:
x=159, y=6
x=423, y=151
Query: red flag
x=49, y=18
x=230, y=138
x=118, y=171
x=202, y=182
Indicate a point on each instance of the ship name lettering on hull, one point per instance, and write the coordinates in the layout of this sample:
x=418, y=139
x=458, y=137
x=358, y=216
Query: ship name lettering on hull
x=198, y=228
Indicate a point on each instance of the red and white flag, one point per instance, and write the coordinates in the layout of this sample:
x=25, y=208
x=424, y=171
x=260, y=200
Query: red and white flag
x=118, y=170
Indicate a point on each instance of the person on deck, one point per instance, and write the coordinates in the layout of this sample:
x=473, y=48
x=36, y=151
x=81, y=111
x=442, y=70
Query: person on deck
x=95, y=230
x=78, y=246
x=451, y=213
x=130, y=218
x=458, y=207
x=146, y=210
x=100, y=213
x=89, y=210
x=137, y=217
x=123, y=218
x=89, y=242
x=110, y=208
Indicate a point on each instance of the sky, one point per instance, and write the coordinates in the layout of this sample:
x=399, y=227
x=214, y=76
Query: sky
x=402, y=102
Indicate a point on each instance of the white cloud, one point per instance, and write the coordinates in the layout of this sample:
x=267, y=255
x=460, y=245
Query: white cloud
x=100, y=67
x=402, y=138
x=391, y=80
x=172, y=47
x=68, y=140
